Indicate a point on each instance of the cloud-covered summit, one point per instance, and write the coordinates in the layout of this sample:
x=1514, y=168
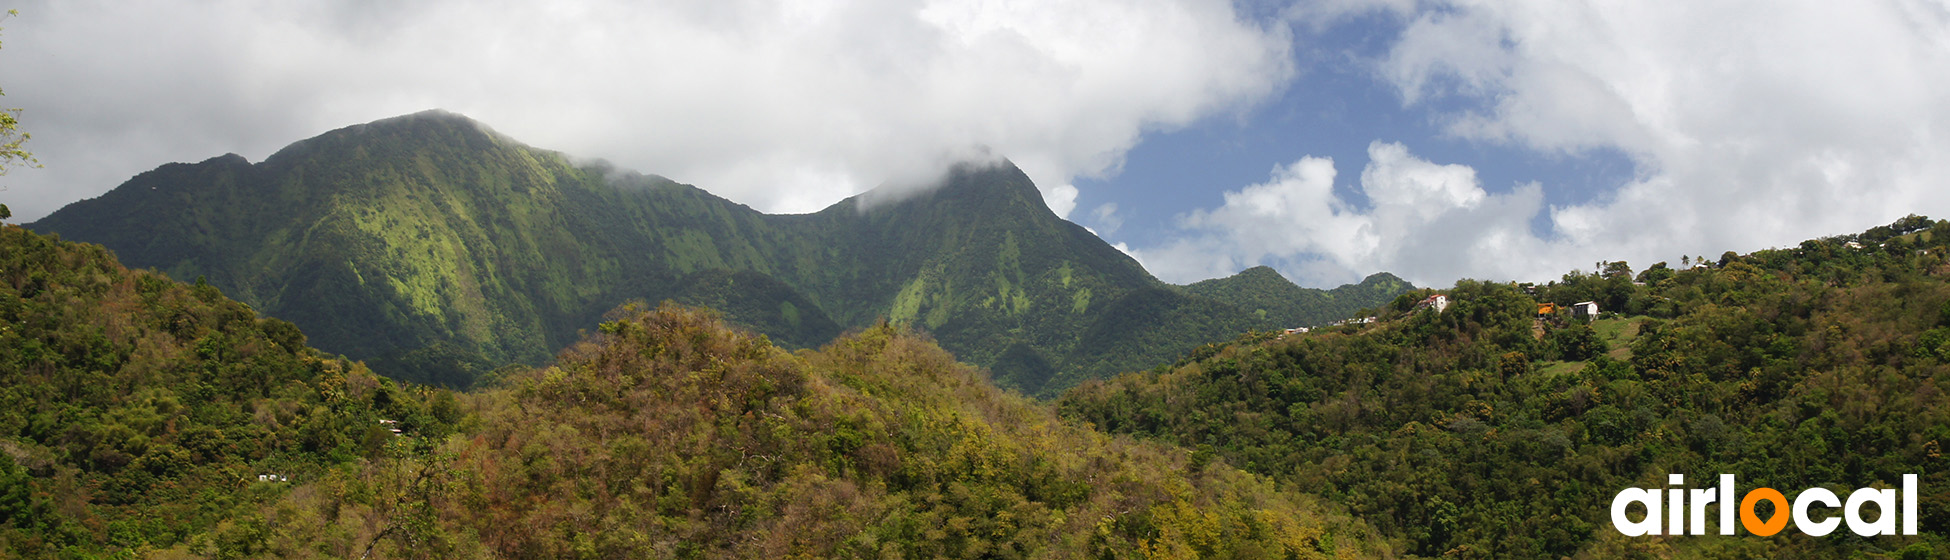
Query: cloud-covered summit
x=1727, y=125
x=784, y=105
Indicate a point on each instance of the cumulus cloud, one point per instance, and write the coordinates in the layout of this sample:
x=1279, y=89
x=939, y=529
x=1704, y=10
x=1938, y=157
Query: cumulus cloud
x=1752, y=125
x=1755, y=124
x=1424, y=221
x=784, y=105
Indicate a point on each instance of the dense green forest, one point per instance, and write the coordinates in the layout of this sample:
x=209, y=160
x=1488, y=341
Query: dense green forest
x=1486, y=431
x=137, y=413
x=437, y=250
x=139, y=417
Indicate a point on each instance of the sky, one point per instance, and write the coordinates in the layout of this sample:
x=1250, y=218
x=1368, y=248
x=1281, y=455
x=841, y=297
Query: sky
x=1437, y=140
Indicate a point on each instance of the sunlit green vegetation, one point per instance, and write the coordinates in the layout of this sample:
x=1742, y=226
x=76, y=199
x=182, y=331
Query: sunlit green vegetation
x=137, y=415
x=437, y=251
x=1484, y=432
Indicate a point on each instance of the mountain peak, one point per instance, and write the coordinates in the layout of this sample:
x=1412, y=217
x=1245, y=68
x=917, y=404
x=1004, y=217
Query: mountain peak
x=1262, y=276
x=428, y=117
x=968, y=184
x=429, y=126
x=1261, y=272
x=1386, y=280
x=998, y=176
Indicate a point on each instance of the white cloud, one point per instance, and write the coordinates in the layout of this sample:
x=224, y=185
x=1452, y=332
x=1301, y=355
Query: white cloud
x=784, y=105
x=1752, y=125
x=1428, y=223
x=1106, y=217
x=1755, y=124
x=1061, y=199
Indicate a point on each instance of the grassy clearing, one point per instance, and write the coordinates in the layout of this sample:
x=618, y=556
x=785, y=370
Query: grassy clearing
x=1554, y=368
x=1618, y=335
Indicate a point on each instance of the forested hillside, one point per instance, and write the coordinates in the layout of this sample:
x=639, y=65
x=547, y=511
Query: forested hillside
x=139, y=417
x=1485, y=432
x=137, y=413
x=438, y=250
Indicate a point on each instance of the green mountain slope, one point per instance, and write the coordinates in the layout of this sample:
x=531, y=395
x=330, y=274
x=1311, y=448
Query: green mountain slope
x=138, y=417
x=1484, y=432
x=436, y=250
x=404, y=234
x=1266, y=293
x=984, y=266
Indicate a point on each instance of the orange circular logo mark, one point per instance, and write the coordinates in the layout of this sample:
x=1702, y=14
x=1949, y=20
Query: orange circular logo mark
x=1752, y=522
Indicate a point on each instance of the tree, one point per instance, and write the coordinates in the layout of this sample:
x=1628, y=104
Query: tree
x=1617, y=269
x=10, y=138
x=1577, y=342
x=10, y=135
x=1655, y=273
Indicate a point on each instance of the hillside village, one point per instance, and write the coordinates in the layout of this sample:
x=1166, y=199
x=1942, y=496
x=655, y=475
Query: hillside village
x=1583, y=310
x=1902, y=233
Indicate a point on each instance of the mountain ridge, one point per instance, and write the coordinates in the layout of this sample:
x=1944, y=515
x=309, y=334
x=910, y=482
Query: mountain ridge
x=1269, y=294
x=439, y=249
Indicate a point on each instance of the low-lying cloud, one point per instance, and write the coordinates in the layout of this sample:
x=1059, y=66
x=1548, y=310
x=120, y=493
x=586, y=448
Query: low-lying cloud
x=784, y=105
x=1424, y=221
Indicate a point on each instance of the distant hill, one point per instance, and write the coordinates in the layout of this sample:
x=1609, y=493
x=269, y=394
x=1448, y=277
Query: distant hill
x=1265, y=293
x=438, y=250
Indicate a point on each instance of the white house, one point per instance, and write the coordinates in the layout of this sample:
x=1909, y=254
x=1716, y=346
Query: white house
x=1437, y=302
x=1585, y=309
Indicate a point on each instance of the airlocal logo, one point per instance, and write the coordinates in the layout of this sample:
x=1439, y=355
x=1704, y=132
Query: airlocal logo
x=1677, y=501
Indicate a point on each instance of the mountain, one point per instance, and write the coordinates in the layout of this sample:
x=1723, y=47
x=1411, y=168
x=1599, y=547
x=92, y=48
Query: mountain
x=423, y=232
x=438, y=250
x=142, y=417
x=147, y=418
x=1271, y=296
x=1486, y=431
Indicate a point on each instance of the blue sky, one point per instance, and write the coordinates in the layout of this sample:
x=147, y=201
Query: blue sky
x=1330, y=139
x=1334, y=108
